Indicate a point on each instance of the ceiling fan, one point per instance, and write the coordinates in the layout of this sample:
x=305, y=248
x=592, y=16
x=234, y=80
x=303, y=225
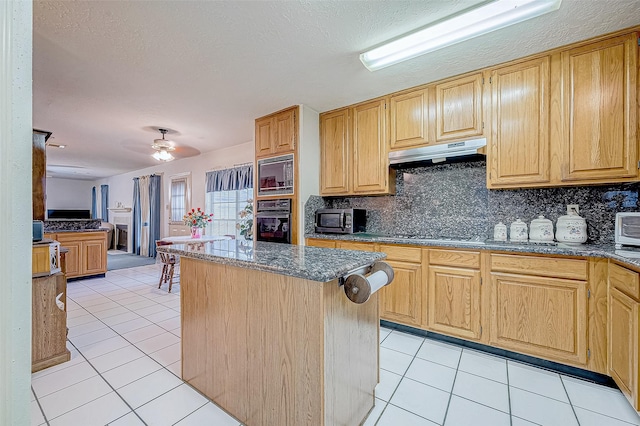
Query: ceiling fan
x=163, y=148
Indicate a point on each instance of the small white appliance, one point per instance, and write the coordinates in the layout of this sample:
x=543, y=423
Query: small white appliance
x=627, y=229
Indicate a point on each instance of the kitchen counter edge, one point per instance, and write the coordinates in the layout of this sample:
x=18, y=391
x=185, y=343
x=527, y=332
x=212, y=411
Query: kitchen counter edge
x=311, y=263
x=607, y=251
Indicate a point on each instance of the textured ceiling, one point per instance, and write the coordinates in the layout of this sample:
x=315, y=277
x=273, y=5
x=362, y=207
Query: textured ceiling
x=106, y=73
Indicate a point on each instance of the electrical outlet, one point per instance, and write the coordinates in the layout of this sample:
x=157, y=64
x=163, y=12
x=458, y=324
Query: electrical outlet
x=573, y=208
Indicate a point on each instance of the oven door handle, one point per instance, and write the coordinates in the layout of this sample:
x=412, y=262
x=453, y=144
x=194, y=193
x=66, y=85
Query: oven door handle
x=343, y=220
x=273, y=215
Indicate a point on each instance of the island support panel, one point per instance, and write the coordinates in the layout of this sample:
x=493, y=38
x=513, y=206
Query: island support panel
x=277, y=350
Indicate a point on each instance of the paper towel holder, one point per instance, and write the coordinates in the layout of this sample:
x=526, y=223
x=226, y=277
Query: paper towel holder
x=358, y=288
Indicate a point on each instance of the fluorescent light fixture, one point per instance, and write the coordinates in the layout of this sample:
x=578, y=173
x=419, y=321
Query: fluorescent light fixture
x=472, y=23
x=163, y=155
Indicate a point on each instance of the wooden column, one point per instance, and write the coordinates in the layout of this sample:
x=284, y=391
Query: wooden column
x=38, y=173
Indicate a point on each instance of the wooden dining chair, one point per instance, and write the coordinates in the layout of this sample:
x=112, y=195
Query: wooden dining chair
x=168, y=264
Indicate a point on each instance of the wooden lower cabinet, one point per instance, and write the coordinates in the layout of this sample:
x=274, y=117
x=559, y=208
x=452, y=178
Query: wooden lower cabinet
x=540, y=316
x=87, y=252
x=624, y=331
x=624, y=337
x=401, y=301
x=48, y=322
x=454, y=301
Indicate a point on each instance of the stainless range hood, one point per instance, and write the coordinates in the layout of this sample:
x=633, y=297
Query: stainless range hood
x=437, y=153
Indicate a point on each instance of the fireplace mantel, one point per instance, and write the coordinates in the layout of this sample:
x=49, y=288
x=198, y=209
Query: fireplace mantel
x=122, y=216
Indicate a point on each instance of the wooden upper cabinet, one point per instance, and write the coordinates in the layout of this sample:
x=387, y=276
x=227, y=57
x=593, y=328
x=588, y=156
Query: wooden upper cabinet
x=519, y=151
x=276, y=133
x=409, y=120
x=265, y=134
x=600, y=111
x=459, y=108
x=370, y=165
x=285, y=140
x=334, y=152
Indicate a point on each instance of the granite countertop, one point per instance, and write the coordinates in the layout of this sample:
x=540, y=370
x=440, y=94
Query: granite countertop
x=312, y=263
x=629, y=256
x=64, y=231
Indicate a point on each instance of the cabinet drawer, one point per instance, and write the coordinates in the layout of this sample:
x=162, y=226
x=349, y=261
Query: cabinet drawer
x=556, y=267
x=403, y=254
x=355, y=246
x=82, y=236
x=321, y=243
x=625, y=280
x=467, y=259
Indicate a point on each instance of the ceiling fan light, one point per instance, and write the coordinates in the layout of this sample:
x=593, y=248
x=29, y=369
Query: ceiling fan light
x=455, y=29
x=163, y=155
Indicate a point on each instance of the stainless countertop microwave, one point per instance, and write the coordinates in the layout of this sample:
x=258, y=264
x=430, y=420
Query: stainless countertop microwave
x=340, y=221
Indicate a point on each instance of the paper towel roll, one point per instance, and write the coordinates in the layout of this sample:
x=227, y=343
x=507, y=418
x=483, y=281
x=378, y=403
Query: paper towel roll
x=59, y=302
x=359, y=288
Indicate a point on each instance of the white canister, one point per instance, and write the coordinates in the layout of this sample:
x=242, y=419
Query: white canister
x=571, y=229
x=518, y=231
x=500, y=232
x=541, y=230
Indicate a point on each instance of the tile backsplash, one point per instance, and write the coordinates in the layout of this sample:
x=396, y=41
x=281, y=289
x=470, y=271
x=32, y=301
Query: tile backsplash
x=451, y=200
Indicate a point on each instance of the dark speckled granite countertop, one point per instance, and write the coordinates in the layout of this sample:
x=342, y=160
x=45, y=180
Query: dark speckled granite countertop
x=585, y=250
x=64, y=231
x=312, y=263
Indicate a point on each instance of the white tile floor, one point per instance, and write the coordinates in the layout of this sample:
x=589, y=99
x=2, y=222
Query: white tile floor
x=124, y=337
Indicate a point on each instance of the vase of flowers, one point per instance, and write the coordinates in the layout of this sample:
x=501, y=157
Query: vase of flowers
x=245, y=224
x=197, y=220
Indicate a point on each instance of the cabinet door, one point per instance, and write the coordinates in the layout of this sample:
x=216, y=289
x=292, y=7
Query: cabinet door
x=623, y=344
x=409, y=119
x=94, y=257
x=454, y=301
x=545, y=317
x=285, y=139
x=401, y=301
x=459, y=108
x=519, y=145
x=48, y=323
x=600, y=111
x=334, y=152
x=72, y=258
x=370, y=153
x=265, y=136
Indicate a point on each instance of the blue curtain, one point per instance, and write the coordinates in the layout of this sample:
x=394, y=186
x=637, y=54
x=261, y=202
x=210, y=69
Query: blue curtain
x=94, y=205
x=155, y=189
x=230, y=179
x=104, y=201
x=137, y=219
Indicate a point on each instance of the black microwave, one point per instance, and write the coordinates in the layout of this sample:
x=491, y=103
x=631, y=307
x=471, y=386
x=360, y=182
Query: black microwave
x=340, y=221
x=275, y=175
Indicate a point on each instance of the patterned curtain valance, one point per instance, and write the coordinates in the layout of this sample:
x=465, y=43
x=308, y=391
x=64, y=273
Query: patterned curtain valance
x=230, y=179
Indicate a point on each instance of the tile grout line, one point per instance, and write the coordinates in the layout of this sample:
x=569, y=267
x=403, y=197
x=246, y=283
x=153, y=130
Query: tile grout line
x=569, y=399
x=44, y=416
x=509, y=394
x=455, y=376
x=112, y=388
x=149, y=356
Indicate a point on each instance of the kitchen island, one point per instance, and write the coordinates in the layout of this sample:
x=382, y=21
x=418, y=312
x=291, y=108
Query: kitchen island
x=269, y=335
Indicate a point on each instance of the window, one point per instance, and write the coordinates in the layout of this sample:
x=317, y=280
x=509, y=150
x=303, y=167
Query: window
x=179, y=196
x=226, y=207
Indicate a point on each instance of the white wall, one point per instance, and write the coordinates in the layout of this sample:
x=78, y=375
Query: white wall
x=121, y=186
x=16, y=27
x=70, y=194
x=309, y=167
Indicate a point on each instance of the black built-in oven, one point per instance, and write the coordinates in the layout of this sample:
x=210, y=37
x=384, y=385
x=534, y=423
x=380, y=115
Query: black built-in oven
x=273, y=220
